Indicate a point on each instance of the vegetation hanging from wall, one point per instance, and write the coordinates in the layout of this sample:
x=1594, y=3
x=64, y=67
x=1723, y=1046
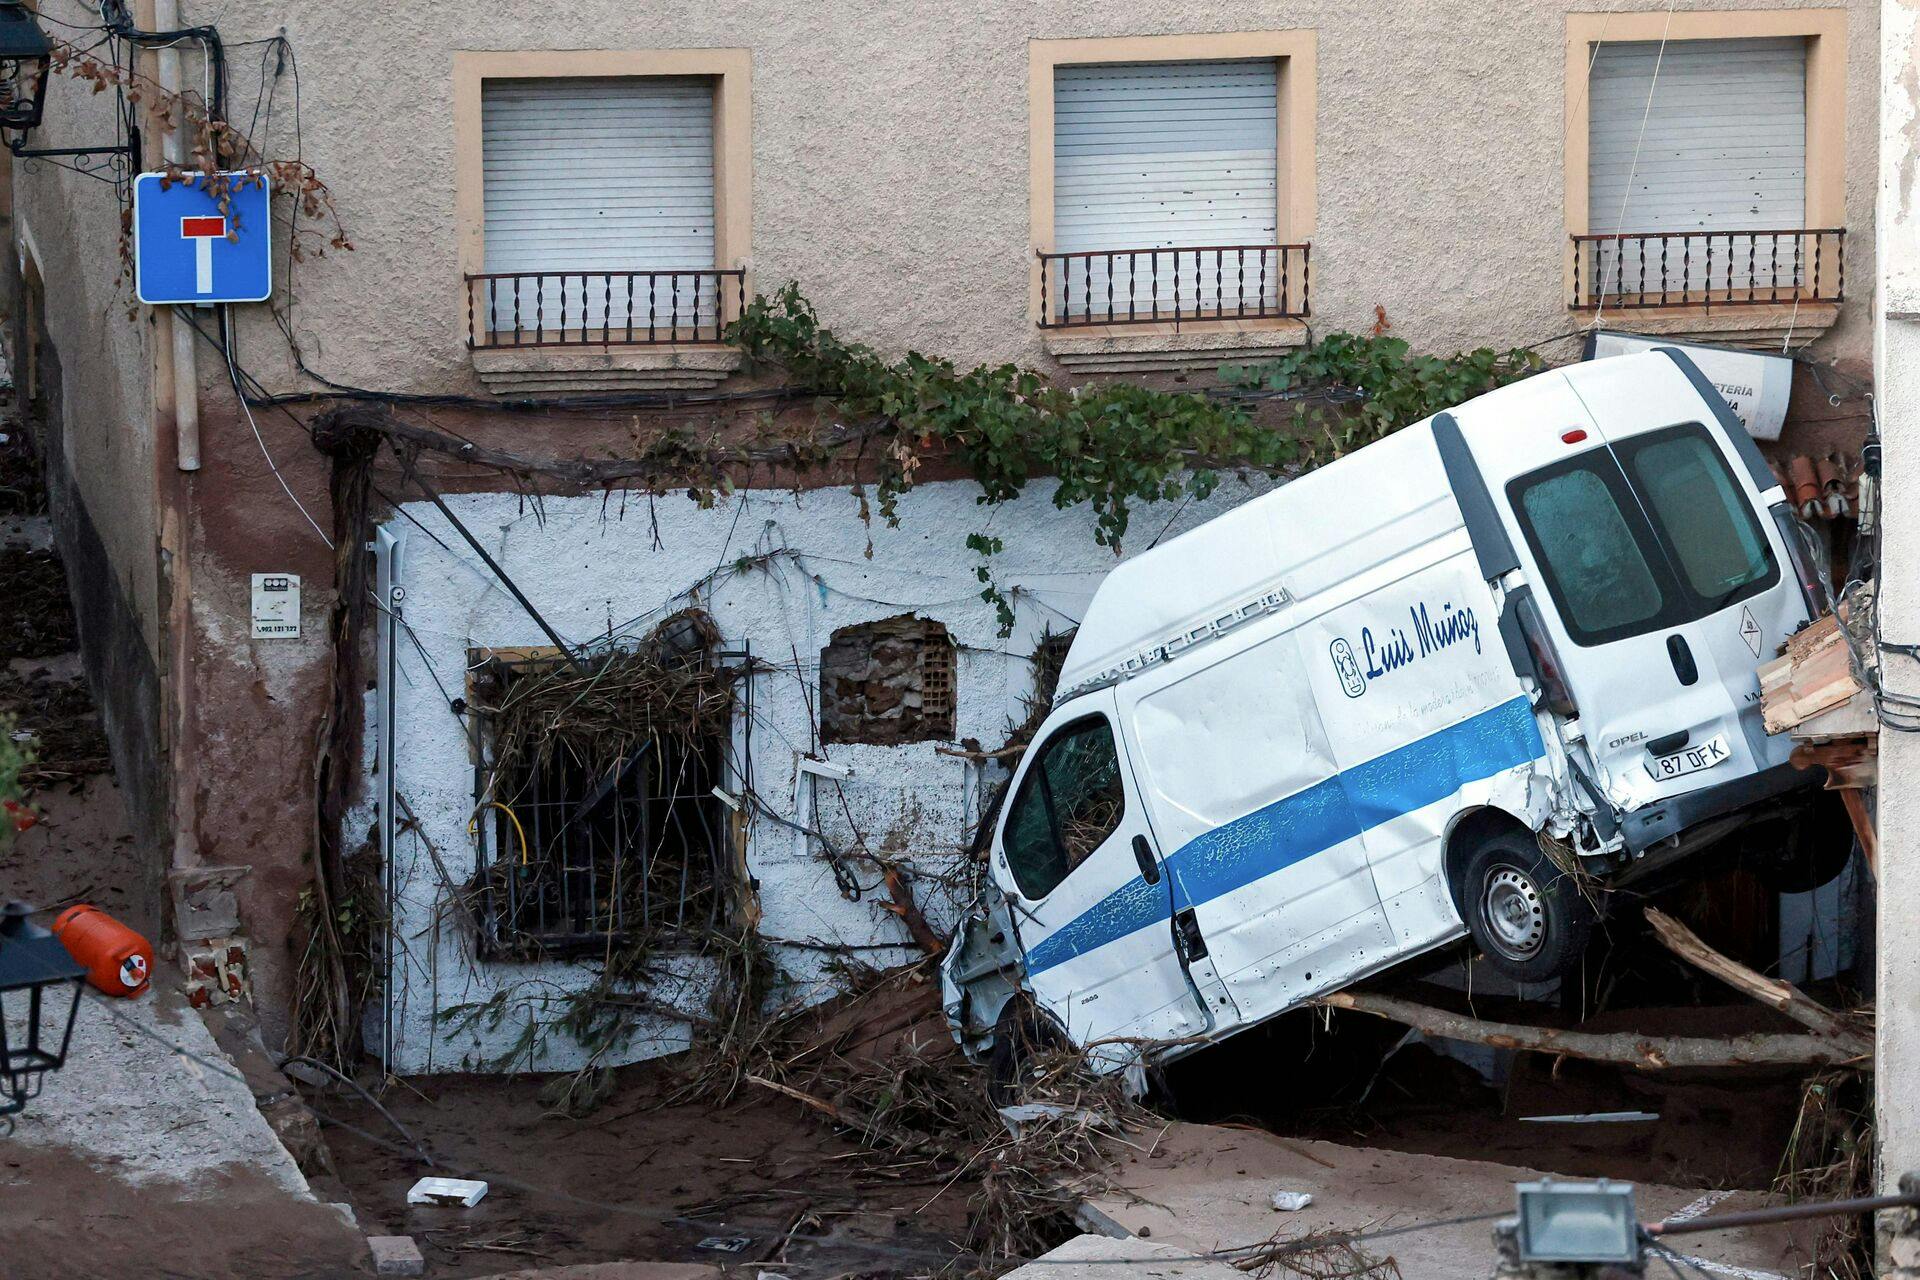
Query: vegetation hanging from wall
x=219, y=155
x=1109, y=445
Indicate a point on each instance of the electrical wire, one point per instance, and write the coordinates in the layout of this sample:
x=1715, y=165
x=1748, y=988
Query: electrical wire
x=1633, y=169
x=233, y=373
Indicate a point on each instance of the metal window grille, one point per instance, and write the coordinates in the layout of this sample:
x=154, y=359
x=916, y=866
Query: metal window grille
x=1176, y=286
x=578, y=856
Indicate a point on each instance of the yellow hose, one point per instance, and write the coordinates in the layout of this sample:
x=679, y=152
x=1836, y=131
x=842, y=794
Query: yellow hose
x=473, y=824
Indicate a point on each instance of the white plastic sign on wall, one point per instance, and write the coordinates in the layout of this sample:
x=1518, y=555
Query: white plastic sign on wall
x=1755, y=384
x=276, y=606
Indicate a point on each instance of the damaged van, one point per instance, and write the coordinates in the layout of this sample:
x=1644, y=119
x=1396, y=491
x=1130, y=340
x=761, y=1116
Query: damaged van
x=1463, y=681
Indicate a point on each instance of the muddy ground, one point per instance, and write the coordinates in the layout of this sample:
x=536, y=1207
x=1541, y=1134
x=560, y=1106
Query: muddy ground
x=662, y=1177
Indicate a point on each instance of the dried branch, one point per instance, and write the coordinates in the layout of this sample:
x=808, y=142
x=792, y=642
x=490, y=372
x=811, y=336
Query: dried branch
x=1624, y=1047
x=1848, y=1040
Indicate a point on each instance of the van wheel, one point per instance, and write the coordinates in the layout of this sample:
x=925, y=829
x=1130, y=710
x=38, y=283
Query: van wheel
x=1528, y=916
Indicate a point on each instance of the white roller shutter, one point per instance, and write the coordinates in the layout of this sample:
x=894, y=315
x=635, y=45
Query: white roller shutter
x=1164, y=155
x=1726, y=138
x=598, y=176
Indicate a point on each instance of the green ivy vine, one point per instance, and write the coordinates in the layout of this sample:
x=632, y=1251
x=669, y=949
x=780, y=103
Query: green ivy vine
x=1109, y=445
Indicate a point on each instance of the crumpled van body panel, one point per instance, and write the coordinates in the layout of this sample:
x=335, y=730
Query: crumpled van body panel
x=1269, y=727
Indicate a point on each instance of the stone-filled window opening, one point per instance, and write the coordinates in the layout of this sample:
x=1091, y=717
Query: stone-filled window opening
x=888, y=682
x=599, y=822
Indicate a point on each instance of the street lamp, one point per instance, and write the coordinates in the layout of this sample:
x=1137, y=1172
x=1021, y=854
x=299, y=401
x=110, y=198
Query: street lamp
x=33, y=964
x=24, y=56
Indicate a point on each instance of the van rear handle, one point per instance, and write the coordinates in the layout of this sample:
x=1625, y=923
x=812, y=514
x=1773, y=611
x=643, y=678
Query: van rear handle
x=1683, y=663
x=1149, y=865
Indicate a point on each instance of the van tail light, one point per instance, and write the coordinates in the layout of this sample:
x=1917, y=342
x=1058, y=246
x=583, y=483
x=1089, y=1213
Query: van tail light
x=1806, y=566
x=1547, y=667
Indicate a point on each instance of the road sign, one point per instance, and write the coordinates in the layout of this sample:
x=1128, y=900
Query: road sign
x=186, y=248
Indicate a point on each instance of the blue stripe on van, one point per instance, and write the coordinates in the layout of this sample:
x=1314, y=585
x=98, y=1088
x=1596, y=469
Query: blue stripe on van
x=1305, y=823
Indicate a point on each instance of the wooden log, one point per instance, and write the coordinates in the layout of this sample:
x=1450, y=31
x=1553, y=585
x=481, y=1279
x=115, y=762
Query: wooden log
x=1623, y=1047
x=1776, y=994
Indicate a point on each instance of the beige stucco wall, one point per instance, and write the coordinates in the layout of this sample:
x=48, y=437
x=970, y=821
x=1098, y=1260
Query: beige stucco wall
x=890, y=162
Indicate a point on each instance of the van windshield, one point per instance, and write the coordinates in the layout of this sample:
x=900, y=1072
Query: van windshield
x=1071, y=800
x=1648, y=534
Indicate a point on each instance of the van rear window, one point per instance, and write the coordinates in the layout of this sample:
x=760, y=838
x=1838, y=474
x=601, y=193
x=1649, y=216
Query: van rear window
x=1668, y=539
x=1702, y=515
x=1602, y=579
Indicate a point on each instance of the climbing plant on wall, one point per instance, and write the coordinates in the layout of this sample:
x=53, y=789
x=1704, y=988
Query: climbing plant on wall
x=1393, y=386
x=1109, y=445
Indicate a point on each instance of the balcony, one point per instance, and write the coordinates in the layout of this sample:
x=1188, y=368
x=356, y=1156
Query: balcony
x=1175, y=286
x=1145, y=310
x=1713, y=281
x=558, y=331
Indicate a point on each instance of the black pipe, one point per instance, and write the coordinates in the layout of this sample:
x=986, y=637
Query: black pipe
x=1783, y=1213
x=566, y=651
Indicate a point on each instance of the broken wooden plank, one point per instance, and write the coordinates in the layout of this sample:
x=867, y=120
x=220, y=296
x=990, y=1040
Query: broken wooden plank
x=1814, y=674
x=1783, y=997
x=1622, y=1047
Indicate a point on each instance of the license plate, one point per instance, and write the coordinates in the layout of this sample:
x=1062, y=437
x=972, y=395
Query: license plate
x=1690, y=759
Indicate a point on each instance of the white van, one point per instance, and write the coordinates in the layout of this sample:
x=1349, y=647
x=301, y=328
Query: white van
x=1462, y=680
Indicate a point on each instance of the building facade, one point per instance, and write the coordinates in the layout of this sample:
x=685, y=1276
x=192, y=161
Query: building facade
x=548, y=205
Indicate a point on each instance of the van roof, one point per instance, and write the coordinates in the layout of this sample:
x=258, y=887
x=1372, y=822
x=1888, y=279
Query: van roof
x=1346, y=509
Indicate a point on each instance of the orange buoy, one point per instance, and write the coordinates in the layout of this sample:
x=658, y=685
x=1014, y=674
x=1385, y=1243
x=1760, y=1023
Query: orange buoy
x=119, y=961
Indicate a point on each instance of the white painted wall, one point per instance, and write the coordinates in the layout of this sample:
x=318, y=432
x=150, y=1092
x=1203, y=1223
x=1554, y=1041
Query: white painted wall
x=1897, y=384
x=595, y=569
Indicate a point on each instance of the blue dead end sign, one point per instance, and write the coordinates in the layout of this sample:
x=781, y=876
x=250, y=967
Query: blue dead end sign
x=186, y=248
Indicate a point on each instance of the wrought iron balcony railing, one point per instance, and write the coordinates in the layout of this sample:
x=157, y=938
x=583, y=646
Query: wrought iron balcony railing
x=1175, y=286
x=601, y=308
x=1709, y=268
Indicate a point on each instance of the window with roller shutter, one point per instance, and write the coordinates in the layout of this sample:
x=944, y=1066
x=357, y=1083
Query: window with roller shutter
x=599, y=210
x=1697, y=176
x=1166, y=191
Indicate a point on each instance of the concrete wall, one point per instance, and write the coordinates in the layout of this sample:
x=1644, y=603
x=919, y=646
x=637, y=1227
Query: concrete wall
x=779, y=573
x=1897, y=378
x=82, y=362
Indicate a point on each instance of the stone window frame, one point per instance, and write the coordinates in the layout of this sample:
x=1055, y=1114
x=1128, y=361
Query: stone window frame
x=1296, y=51
x=731, y=70
x=1825, y=31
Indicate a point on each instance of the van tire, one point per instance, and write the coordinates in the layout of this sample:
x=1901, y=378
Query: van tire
x=1527, y=916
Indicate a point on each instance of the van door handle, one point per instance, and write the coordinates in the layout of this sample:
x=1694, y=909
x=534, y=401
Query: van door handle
x=1149, y=865
x=1683, y=663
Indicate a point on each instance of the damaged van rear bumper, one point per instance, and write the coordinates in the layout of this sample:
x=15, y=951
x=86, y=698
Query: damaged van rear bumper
x=1649, y=825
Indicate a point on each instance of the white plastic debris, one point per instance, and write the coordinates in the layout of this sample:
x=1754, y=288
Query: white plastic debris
x=459, y=1192
x=1291, y=1201
x=1017, y=1118
x=725, y=1244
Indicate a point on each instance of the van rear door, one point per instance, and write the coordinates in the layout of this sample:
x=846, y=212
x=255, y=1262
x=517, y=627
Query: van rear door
x=1669, y=589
